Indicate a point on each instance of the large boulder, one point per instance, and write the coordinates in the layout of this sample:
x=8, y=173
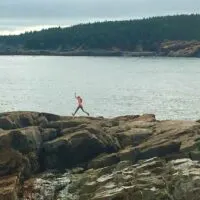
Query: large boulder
x=142, y=152
x=24, y=140
x=17, y=120
x=159, y=150
x=13, y=120
x=76, y=148
x=187, y=132
x=19, y=151
x=6, y=123
x=133, y=137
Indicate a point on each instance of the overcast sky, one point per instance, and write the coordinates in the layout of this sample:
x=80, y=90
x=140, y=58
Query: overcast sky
x=23, y=15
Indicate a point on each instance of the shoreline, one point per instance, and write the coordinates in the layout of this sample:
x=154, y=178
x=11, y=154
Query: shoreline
x=79, y=53
x=93, y=53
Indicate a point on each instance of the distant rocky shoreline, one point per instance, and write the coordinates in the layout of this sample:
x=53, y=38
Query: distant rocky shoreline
x=80, y=53
x=93, y=53
x=167, y=49
x=51, y=157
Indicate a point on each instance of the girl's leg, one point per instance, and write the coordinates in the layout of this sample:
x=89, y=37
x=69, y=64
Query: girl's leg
x=76, y=111
x=84, y=111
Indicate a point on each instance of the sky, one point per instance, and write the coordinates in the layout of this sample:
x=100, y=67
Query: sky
x=17, y=16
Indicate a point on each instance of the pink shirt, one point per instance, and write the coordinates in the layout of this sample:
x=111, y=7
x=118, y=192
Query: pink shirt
x=80, y=101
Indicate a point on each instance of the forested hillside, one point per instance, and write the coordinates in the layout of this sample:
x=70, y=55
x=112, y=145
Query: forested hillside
x=133, y=35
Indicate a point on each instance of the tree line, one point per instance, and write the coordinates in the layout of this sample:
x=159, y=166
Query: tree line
x=132, y=35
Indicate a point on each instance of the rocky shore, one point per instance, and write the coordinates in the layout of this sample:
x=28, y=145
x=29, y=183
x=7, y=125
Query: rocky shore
x=167, y=49
x=181, y=48
x=98, y=53
x=49, y=157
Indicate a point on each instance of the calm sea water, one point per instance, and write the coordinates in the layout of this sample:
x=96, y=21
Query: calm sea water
x=167, y=87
